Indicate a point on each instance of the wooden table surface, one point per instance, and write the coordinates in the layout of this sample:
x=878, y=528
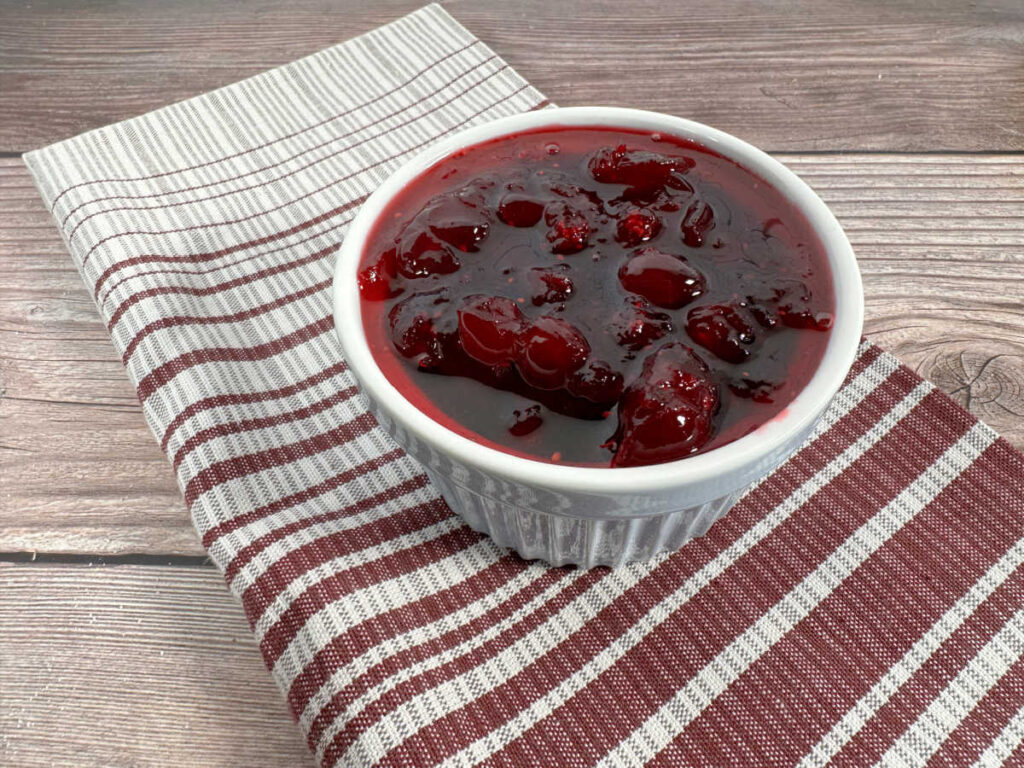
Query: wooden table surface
x=119, y=644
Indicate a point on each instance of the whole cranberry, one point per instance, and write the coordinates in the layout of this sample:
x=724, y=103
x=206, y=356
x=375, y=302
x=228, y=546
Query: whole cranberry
x=421, y=325
x=548, y=350
x=596, y=381
x=644, y=173
x=550, y=285
x=698, y=220
x=764, y=310
x=664, y=279
x=423, y=256
x=789, y=305
x=378, y=281
x=638, y=325
x=454, y=221
x=722, y=330
x=568, y=228
x=488, y=327
x=636, y=227
x=519, y=210
x=665, y=413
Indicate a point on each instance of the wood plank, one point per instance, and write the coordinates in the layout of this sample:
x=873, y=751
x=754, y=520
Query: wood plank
x=792, y=75
x=134, y=666
x=940, y=242
x=80, y=470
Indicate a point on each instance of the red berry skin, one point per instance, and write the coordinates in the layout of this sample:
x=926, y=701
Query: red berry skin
x=644, y=173
x=801, y=317
x=457, y=223
x=666, y=413
x=549, y=285
x=488, y=328
x=637, y=325
x=419, y=325
x=597, y=382
x=636, y=227
x=788, y=305
x=698, y=220
x=423, y=256
x=548, y=350
x=526, y=421
x=762, y=311
x=568, y=228
x=663, y=279
x=518, y=210
x=378, y=281
x=751, y=389
x=722, y=330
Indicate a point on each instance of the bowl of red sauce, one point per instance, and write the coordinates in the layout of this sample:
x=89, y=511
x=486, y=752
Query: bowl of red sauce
x=596, y=327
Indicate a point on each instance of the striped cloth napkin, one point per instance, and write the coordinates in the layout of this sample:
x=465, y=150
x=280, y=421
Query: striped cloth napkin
x=865, y=603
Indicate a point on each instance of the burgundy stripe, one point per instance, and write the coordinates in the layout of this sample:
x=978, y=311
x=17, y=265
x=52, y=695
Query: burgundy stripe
x=808, y=680
x=337, y=153
x=751, y=586
x=985, y=721
x=599, y=717
x=245, y=425
x=352, y=642
x=1016, y=757
x=219, y=267
x=173, y=321
x=394, y=520
x=301, y=497
x=622, y=613
x=387, y=524
x=1000, y=467
x=859, y=364
x=271, y=142
x=897, y=714
x=306, y=684
x=318, y=672
x=165, y=372
x=209, y=290
x=242, y=398
x=227, y=250
x=314, y=676
x=599, y=632
x=290, y=247
x=241, y=466
x=337, y=585
x=274, y=236
x=427, y=680
x=331, y=140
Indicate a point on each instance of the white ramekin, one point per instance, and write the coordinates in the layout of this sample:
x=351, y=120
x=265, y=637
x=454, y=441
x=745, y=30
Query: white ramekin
x=592, y=515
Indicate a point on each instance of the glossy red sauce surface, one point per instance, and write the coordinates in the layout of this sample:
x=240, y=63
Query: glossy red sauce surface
x=595, y=296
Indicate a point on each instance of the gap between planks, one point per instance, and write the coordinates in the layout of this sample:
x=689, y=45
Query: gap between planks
x=91, y=560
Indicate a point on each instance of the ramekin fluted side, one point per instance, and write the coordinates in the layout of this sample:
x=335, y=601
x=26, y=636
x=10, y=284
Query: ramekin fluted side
x=586, y=542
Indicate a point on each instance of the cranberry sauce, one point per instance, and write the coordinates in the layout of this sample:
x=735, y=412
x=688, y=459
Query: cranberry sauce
x=595, y=296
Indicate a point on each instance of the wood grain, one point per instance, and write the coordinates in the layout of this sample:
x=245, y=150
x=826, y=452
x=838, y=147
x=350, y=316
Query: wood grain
x=941, y=247
x=790, y=75
x=134, y=666
x=940, y=242
x=80, y=472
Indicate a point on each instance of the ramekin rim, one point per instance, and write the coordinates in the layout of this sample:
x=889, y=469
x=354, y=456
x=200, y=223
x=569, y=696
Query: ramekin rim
x=804, y=408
